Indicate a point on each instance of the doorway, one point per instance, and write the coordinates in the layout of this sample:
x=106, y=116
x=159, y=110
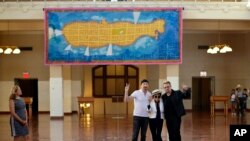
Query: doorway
x=203, y=88
x=29, y=88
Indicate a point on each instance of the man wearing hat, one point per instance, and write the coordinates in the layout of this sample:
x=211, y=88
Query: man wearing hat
x=141, y=99
x=156, y=115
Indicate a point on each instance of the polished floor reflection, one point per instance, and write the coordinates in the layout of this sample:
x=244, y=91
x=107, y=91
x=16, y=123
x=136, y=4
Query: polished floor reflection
x=195, y=127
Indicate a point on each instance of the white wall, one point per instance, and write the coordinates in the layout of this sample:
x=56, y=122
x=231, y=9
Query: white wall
x=5, y=89
x=43, y=96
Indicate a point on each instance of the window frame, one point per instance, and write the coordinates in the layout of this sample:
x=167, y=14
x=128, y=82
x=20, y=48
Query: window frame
x=105, y=77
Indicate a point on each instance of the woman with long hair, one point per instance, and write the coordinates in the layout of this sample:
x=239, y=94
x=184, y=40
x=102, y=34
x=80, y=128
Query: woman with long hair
x=18, y=118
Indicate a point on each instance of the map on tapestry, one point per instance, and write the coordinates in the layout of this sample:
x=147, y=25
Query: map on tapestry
x=113, y=36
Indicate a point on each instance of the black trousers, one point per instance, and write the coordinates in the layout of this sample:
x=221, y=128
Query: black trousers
x=139, y=123
x=240, y=107
x=156, y=128
x=174, y=125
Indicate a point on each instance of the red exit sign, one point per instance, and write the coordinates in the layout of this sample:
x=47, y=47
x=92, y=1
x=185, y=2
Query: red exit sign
x=26, y=75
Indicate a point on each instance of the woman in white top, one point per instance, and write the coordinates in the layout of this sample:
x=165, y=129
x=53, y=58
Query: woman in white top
x=156, y=115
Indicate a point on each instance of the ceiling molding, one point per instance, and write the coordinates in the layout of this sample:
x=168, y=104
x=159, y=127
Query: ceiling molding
x=193, y=9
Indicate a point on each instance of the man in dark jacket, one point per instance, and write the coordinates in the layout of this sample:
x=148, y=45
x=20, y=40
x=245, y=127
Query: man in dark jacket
x=173, y=110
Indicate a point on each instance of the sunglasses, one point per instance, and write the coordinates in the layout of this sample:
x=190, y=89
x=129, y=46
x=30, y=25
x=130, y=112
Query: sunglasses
x=157, y=96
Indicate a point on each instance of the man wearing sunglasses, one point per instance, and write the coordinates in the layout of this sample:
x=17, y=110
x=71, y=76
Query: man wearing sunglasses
x=173, y=109
x=141, y=99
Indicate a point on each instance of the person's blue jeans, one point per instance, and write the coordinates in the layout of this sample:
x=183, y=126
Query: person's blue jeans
x=139, y=123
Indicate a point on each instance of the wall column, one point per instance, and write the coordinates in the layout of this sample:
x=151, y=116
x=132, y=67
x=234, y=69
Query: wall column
x=67, y=89
x=169, y=73
x=56, y=91
x=153, y=76
x=87, y=84
x=173, y=76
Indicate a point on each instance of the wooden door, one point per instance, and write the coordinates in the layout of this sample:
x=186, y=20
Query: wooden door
x=202, y=89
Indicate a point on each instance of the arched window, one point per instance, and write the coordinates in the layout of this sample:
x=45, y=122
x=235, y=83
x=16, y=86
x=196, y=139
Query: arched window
x=110, y=81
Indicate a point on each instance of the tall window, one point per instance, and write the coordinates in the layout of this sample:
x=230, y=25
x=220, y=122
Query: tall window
x=110, y=81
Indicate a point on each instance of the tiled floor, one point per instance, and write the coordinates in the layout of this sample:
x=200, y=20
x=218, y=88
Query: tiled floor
x=195, y=127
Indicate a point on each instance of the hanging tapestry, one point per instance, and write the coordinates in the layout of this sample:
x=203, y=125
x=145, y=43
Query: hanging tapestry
x=113, y=36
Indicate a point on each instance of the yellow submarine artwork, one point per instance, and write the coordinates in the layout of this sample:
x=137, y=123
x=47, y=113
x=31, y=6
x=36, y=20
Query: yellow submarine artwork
x=113, y=35
x=95, y=34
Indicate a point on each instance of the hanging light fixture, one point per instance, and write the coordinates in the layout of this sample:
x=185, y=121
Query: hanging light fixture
x=9, y=49
x=219, y=48
x=16, y=51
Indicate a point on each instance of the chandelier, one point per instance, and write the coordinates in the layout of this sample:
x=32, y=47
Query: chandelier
x=8, y=49
x=219, y=48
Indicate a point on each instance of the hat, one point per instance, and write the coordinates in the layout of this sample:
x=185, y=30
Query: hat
x=156, y=91
x=238, y=86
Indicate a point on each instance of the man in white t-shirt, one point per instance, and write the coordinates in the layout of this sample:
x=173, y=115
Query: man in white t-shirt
x=141, y=98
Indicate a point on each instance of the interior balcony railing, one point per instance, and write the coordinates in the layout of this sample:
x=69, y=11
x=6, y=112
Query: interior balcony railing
x=221, y=1
x=194, y=9
x=201, y=5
